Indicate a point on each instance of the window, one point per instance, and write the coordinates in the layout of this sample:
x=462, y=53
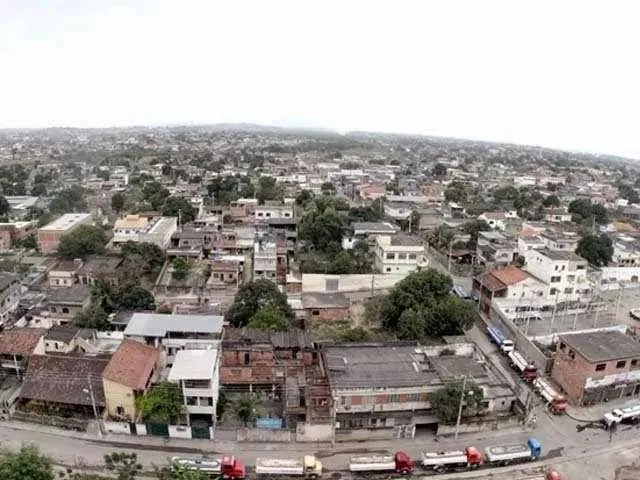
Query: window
x=621, y=364
x=192, y=401
x=65, y=310
x=315, y=312
x=571, y=278
x=600, y=367
x=247, y=358
x=206, y=401
x=555, y=279
x=388, y=269
x=402, y=256
x=119, y=411
x=553, y=291
x=393, y=398
x=413, y=256
x=391, y=256
x=568, y=290
x=634, y=362
x=53, y=309
x=572, y=354
x=563, y=346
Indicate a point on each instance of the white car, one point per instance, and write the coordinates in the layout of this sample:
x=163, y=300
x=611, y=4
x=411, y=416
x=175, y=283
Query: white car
x=635, y=313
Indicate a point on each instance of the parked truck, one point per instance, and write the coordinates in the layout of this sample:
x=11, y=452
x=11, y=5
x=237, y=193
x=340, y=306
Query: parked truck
x=504, y=344
x=527, y=370
x=519, y=452
x=470, y=457
x=622, y=415
x=308, y=467
x=400, y=463
x=556, y=403
x=229, y=468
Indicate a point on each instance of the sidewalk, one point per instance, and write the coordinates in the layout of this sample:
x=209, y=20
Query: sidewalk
x=596, y=412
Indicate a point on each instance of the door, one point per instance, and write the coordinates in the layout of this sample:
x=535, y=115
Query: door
x=158, y=429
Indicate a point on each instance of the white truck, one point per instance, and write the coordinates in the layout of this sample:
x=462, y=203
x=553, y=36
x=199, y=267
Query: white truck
x=309, y=467
x=622, y=415
x=556, y=403
x=399, y=463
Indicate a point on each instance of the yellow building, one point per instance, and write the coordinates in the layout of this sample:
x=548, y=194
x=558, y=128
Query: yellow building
x=132, y=368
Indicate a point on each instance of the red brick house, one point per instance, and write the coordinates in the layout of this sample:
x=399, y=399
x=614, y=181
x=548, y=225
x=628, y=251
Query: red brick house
x=326, y=306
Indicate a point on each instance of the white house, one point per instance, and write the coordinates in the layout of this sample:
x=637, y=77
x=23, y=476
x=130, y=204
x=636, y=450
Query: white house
x=267, y=212
x=557, y=215
x=136, y=228
x=398, y=211
x=564, y=272
x=399, y=254
x=497, y=220
x=198, y=373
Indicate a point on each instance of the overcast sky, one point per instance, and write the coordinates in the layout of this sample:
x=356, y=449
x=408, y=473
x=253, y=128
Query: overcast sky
x=554, y=73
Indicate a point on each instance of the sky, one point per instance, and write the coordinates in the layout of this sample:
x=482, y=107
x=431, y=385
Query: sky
x=560, y=73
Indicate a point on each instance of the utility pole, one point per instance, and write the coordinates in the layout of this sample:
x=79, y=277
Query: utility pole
x=93, y=404
x=462, y=395
x=449, y=259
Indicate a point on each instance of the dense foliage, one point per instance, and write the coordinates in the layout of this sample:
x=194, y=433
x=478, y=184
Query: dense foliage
x=446, y=400
x=82, y=241
x=254, y=296
x=163, y=402
x=596, y=249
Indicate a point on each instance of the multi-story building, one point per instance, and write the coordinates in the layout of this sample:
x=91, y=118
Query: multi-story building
x=493, y=248
x=149, y=229
x=563, y=271
x=49, y=235
x=270, y=260
x=198, y=374
x=367, y=230
x=9, y=295
x=270, y=211
x=172, y=333
x=597, y=366
x=399, y=254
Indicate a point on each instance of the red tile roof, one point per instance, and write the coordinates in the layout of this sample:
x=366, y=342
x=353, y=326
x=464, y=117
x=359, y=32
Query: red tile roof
x=132, y=364
x=20, y=341
x=510, y=275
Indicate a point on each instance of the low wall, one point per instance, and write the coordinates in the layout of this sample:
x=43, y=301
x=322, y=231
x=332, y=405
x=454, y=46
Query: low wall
x=120, y=428
x=263, y=435
x=313, y=433
x=179, y=431
x=364, y=434
x=482, y=426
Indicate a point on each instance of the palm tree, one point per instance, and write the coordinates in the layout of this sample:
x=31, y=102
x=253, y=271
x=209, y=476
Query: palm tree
x=245, y=407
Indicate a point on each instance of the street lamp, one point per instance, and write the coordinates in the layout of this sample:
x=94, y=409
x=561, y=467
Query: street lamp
x=463, y=393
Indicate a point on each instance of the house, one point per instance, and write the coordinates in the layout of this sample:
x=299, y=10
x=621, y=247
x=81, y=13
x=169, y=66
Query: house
x=493, y=248
x=64, y=273
x=398, y=211
x=271, y=211
x=99, y=267
x=497, y=220
x=66, y=338
x=597, y=366
x=399, y=254
x=496, y=284
x=366, y=230
x=557, y=215
x=129, y=373
x=198, y=374
x=227, y=271
x=370, y=191
x=563, y=271
x=171, y=333
x=325, y=306
x=383, y=390
x=18, y=345
x=49, y=235
x=149, y=229
x=69, y=385
x=21, y=205
x=64, y=303
x=270, y=260
x=9, y=295
x=11, y=232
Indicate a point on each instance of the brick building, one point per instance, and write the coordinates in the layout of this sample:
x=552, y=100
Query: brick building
x=597, y=366
x=325, y=306
x=49, y=235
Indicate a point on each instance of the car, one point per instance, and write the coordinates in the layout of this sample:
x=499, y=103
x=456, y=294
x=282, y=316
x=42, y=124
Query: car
x=635, y=313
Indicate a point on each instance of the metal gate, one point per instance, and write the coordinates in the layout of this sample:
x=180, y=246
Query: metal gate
x=200, y=432
x=158, y=429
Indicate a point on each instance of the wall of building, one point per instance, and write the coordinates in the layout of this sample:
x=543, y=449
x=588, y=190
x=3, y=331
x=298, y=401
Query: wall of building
x=327, y=314
x=263, y=435
x=306, y=432
x=117, y=395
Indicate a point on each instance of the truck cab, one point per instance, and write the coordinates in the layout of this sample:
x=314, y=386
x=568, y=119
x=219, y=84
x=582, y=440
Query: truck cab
x=404, y=463
x=535, y=447
x=232, y=468
x=312, y=467
x=474, y=457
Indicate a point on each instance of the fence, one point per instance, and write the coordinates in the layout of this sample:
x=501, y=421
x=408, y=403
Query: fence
x=67, y=423
x=158, y=430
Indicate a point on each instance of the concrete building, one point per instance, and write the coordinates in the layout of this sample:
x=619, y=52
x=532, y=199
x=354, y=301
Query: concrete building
x=172, y=333
x=366, y=230
x=325, y=306
x=398, y=211
x=49, y=235
x=20, y=205
x=9, y=295
x=129, y=373
x=564, y=272
x=138, y=228
x=198, y=374
x=384, y=390
x=597, y=366
x=270, y=260
x=267, y=212
x=399, y=254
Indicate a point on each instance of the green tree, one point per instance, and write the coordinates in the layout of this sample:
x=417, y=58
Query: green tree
x=25, y=464
x=175, y=471
x=163, y=402
x=585, y=212
x=125, y=465
x=439, y=170
x=68, y=201
x=95, y=316
x=39, y=189
x=253, y=296
x=412, y=325
x=179, y=207
x=134, y=297
x=322, y=230
x=456, y=192
x=551, y=201
x=355, y=334
x=628, y=192
x=269, y=318
x=450, y=316
x=268, y=189
x=117, y=202
x=304, y=197
x=596, y=249
x=82, y=241
x=446, y=400
x=180, y=268
x=473, y=228
x=155, y=194
x=244, y=407
x=141, y=260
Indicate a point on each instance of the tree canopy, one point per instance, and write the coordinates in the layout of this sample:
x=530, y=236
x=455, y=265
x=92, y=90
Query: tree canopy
x=163, y=402
x=322, y=229
x=586, y=212
x=141, y=260
x=82, y=241
x=229, y=188
x=252, y=297
x=596, y=249
x=125, y=465
x=245, y=407
x=446, y=400
x=71, y=200
x=473, y=228
x=551, y=201
x=421, y=306
x=117, y=202
x=179, y=207
x=180, y=268
x=4, y=206
x=268, y=189
x=628, y=192
x=26, y=463
x=456, y=192
x=269, y=318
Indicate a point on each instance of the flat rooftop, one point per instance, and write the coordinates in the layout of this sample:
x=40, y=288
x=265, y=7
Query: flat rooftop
x=67, y=221
x=602, y=346
x=377, y=366
x=158, y=324
x=562, y=255
x=374, y=227
x=194, y=365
